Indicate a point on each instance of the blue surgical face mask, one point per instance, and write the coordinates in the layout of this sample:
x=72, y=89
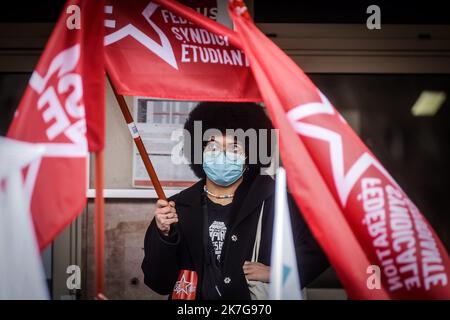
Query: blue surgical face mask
x=223, y=169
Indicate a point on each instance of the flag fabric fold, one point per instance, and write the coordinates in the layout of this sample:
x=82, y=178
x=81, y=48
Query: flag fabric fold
x=21, y=271
x=360, y=216
x=63, y=109
x=166, y=49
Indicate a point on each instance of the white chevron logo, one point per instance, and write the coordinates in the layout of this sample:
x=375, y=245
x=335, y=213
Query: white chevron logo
x=164, y=51
x=344, y=181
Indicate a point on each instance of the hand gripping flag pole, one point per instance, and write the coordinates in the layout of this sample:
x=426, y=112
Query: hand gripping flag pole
x=99, y=184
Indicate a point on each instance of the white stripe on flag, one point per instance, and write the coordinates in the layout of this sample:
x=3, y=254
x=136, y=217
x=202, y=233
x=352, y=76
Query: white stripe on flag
x=21, y=272
x=284, y=279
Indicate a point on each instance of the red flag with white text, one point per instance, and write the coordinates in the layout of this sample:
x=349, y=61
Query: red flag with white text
x=63, y=110
x=160, y=49
x=360, y=216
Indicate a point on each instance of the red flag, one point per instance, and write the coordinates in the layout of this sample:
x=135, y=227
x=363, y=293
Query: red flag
x=161, y=49
x=186, y=285
x=356, y=210
x=63, y=109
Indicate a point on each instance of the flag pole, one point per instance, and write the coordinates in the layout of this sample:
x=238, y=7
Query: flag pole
x=99, y=225
x=138, y=141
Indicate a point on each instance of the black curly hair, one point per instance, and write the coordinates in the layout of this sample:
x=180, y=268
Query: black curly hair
x=223, y=116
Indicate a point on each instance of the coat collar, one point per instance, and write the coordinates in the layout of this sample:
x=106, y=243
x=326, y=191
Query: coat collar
x=189, y=196
x=251, y=196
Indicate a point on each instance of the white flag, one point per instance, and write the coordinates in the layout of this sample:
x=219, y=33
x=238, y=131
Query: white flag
x=284, y=279
x=21, y=272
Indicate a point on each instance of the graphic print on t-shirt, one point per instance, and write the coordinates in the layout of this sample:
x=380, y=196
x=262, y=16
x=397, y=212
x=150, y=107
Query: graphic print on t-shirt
x=217, y=231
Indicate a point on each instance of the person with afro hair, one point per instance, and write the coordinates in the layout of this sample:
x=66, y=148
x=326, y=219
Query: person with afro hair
x=213, y=240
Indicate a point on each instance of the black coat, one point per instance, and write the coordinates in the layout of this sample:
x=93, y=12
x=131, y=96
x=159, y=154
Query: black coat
x=164, y=259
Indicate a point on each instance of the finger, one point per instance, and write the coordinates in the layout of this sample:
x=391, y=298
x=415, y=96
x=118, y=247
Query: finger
x=249, y=276
x=168, y=222
x=161, y=218
x=246, y=265
x=163, y=228
x=172, y=204
x=248, y=269
x=164, y=210
x=170, y=216
x=161, y=203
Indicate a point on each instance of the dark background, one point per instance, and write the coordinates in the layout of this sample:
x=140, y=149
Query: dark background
x=312, y=11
